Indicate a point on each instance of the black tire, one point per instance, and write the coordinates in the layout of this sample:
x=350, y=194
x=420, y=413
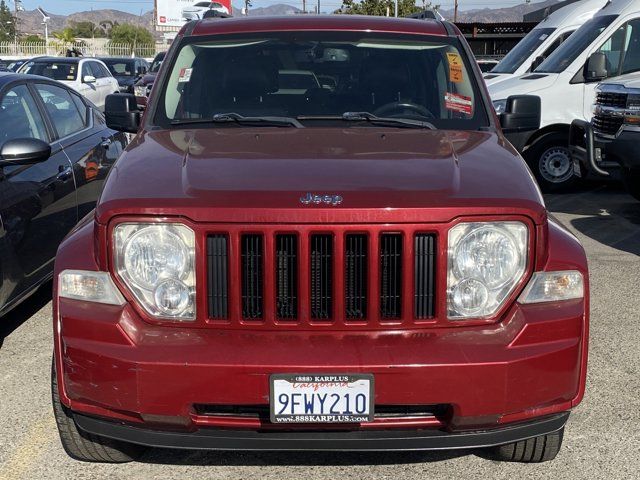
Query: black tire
x=550, y=161
x=86, y=446
x=631, y=180
x=534, y=450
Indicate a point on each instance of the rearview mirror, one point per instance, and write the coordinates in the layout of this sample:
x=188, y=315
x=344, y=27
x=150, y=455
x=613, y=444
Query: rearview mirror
x=522, y=113
x=122, y=113
x=24, y=151
x=596, y=68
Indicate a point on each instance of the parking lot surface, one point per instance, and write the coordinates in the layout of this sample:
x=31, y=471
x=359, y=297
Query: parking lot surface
x=602, y=439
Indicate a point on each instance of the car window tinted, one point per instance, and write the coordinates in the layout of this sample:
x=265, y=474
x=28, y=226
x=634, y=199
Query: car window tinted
x=157, y=62
x=577, y=43
x=19, y=116
x=62, y=71
x=62, y=109
x=87, y=70
x=81, y=106
x=631, y=55
x=523, y=50
x=100, y=70
x=325, y=74
x=122, y=68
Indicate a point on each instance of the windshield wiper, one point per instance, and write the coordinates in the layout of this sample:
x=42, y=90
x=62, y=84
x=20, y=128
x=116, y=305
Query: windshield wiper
x=370, y=117
x=242, y=120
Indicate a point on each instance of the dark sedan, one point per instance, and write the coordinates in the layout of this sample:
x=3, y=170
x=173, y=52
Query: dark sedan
x=127, y=71
x=55, y=152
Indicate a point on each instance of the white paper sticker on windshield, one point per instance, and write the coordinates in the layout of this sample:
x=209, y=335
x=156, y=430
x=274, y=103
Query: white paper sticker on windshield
x=185, y=75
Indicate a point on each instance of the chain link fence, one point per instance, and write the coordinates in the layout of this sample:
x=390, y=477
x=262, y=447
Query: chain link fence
x=56, y=48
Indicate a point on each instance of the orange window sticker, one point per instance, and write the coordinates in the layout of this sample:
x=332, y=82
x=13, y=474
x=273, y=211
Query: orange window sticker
x=455, y=68
x=458, y=103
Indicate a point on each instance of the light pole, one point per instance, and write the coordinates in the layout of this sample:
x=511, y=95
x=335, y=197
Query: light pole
x=396, y=8
x=45, y=22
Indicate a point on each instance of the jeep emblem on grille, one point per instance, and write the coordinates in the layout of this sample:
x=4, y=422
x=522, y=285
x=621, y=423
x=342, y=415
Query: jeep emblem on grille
x=317, y=199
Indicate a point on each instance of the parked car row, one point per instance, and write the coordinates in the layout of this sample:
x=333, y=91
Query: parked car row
x=605, y=48
x=55, y=153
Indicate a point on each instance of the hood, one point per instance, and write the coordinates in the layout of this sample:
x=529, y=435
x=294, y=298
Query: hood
x=631, y=80
x=259, y=174
x=521, y=85
x=127, y=80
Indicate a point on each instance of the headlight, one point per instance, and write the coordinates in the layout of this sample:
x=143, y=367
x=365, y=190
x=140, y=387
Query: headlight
x=500, y=106
x=156, y=262
x=485, y=263
x=140, y=91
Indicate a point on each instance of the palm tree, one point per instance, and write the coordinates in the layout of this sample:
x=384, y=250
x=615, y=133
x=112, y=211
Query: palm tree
x=66, y=35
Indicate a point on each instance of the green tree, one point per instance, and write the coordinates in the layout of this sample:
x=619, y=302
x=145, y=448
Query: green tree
x=379, y=7
x=32, y=39
x=7, y=23
x=138, y=38
x=66, y=35
x=87, y=30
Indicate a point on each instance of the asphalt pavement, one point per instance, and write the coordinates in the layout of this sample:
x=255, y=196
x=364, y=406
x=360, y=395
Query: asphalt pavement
x=602, y=438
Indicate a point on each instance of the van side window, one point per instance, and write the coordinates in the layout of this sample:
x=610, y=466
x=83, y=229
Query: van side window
x=622, y=49
x=556, y=43
x=631, y=59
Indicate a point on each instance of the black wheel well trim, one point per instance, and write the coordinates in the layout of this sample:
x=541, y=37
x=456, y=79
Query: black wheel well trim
x=545, y=131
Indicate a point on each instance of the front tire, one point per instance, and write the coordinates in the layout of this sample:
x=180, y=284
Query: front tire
x=631, y=180
x=550, y=161
x=85, y=446
x=539, y=449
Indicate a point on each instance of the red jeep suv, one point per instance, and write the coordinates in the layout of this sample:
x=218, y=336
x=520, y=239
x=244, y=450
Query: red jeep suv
x=356, y=261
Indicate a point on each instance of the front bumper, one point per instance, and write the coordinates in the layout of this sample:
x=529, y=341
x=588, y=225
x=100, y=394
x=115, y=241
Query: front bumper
x=385, y=440
x=114, y=365
x=614, y=151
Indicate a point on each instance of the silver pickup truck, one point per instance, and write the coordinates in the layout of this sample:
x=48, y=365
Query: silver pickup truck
x=609, y=145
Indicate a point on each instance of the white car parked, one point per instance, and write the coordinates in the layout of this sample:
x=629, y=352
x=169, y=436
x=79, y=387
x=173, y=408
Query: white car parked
x=87, y=76
x=197, y=11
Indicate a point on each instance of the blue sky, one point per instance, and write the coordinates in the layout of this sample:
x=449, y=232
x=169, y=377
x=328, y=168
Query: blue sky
x=63, y=7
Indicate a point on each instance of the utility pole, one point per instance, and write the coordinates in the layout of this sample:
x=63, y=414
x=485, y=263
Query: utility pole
x=455, y=12
x=396, y=8
x=318, y=12
x=304, y=6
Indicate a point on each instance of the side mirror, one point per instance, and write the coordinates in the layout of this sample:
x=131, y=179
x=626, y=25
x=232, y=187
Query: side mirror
x=24, y=151
x=122, y=113
x=522, y=113
x=536, y=63
x=88, y=79
x=596, y=68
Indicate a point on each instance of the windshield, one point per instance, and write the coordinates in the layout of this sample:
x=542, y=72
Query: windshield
x=523, y=50
x=157, y=62
x=312, y=76
x=577, y=43
x=64, y=71
x=120, y=68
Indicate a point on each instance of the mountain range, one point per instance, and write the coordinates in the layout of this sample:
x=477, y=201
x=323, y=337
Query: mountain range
x=31, y=21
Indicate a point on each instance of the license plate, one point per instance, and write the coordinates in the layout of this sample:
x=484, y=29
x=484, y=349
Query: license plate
x=316, y=398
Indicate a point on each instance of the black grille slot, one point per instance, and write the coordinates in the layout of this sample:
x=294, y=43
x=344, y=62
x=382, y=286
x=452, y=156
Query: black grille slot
x=355, y=277
x=390, y=275
x=425, y=255
x=607, y=125
x=287, y=276
x=321, y=276
x=610, y=99
x=252, y=278
x=217, y=268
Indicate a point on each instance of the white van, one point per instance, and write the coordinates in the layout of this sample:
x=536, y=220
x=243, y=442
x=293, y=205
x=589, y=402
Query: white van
x=543, y=40
x=605, y=47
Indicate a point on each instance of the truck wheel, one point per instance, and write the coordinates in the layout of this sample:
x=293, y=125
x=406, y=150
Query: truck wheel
x=550, y=160
x=631, y=180
x=86, y=446
x=534, y=450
